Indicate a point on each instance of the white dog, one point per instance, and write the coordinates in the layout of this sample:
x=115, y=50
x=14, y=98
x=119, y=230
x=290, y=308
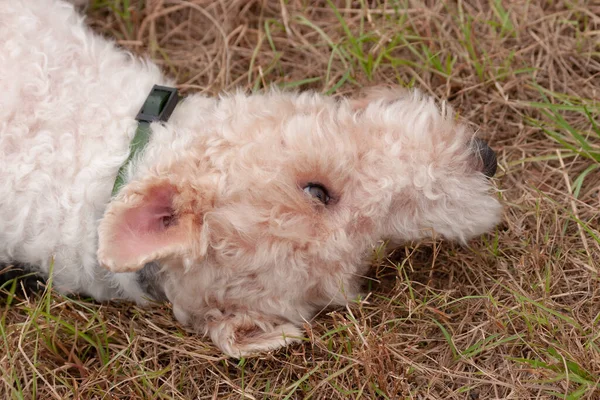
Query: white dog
x=247, y=212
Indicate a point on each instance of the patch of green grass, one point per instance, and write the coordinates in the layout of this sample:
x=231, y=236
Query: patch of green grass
x=503, y=22
x=561, y=368
x=120, y=8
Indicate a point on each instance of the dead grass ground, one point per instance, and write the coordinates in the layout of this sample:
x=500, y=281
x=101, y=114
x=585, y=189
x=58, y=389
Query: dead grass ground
x=516, y=316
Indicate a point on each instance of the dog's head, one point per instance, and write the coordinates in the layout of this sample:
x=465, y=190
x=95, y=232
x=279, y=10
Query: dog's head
x=264, y=207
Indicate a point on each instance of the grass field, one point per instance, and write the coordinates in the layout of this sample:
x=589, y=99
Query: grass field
x=514, y=316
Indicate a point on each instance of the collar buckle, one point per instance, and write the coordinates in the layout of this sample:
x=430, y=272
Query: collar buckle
x=159, y=104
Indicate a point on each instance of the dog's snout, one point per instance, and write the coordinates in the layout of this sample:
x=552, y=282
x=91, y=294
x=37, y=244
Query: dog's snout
x=487, y=156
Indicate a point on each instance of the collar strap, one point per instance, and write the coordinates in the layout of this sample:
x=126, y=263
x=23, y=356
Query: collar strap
x=159, y=106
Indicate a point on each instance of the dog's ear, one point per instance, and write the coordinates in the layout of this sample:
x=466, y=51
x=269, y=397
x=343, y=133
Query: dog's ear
x=147, y=222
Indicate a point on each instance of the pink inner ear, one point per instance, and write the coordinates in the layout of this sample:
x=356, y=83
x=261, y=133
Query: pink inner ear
x=148, y=217
x=139, y=234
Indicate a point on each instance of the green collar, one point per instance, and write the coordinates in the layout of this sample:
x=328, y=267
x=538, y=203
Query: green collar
x=159, y=106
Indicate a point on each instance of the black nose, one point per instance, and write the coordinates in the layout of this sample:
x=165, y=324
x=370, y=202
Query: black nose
x=489, y=162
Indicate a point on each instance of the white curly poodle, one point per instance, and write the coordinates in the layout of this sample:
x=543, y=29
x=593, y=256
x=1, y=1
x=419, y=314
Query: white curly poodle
x=247, y=212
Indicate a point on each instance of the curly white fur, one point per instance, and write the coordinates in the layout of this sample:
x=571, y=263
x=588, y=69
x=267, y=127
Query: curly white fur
x=217, y=196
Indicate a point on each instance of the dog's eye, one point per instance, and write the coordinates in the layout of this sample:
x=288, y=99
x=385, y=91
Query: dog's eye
x=318, y=192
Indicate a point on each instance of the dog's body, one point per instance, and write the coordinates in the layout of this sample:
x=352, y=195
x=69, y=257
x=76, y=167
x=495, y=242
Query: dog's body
x=258, y=209
x=68, y=102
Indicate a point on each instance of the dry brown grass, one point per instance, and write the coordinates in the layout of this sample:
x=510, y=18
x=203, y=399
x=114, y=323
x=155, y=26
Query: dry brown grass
x=516, y=316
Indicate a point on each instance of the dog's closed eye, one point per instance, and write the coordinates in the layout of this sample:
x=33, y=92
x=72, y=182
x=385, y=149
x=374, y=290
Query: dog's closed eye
x=317, y=191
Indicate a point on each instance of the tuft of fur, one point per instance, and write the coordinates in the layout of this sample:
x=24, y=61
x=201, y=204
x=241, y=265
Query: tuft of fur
x=214, y=214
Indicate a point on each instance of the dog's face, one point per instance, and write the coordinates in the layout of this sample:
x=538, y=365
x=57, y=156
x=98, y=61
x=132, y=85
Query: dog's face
x=272, y=209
